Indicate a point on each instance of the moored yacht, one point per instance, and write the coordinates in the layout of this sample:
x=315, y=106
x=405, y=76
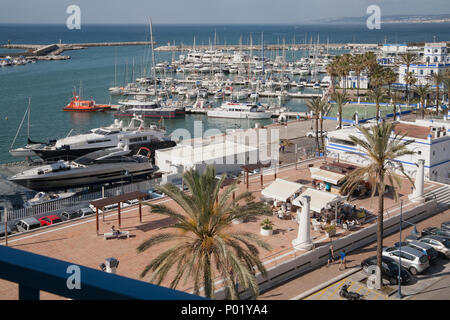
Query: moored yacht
x=236, y=110
x=148, y=109
x=99, y=167
x=135, y=137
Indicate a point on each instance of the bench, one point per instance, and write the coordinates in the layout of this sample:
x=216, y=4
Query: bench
x=111, y=235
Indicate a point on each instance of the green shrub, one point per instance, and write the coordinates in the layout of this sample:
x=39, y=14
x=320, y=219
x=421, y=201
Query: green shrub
x=266, y=224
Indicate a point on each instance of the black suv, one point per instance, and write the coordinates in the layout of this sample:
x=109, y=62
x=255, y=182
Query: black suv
x=389, y=269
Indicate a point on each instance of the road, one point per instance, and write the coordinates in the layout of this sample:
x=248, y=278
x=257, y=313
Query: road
x=438, y=291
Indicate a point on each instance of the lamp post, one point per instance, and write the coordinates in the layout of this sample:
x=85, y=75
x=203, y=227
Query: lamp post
x=413, y=232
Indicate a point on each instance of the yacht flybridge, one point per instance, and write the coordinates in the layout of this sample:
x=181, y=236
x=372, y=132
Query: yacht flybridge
x=135, y=137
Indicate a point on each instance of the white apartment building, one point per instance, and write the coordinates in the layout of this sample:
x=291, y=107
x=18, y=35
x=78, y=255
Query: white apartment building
x=431, y=143
x=435, y=59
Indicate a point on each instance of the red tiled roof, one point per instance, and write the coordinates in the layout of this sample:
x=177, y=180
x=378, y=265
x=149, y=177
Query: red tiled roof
x=413, y=131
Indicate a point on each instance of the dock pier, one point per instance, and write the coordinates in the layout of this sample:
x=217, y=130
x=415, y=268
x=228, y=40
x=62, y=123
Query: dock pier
x=53, y=51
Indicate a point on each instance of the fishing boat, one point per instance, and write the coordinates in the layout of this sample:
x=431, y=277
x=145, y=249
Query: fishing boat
x=78, y=105
x=96, y=168
x=236, y=110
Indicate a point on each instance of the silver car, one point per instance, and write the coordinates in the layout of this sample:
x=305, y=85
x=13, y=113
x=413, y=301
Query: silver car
x=412, y=259
x=440, y=244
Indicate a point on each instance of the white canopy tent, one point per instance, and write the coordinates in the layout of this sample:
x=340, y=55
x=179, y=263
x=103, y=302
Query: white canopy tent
x=327, y=176
x=319, y=199
x=281, y=190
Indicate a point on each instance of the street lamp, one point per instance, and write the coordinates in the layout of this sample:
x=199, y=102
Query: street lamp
x=413, y=232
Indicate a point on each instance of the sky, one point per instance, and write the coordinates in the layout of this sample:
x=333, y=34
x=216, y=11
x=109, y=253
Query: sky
x=208, y=11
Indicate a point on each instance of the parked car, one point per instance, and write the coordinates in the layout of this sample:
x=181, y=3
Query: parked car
x=2, y=230
x=27, y=224
x=435, y=231
x=49, y=220
x=69, y=215
x=413, y=260
x=85, y=211
x=445, y=225
x=421, y=246
x=389, y=269
x=440, y=244
x=312, y=134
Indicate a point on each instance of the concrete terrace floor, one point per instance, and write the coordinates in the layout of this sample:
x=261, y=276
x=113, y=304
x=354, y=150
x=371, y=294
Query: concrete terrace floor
x=77, y=241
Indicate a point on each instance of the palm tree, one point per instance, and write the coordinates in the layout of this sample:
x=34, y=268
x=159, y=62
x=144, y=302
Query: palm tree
x=317, y=107
x=380, y=150
x=344, y=68
x=410, y=80
x=423, y=92
x=446, y=83
x=408, y=59
x=370, y=61
x=377, y=78
x=376, y=94
x=390, y=77
x=332, y=70
x=205, y=247
x=437, y=78
x=395, y=97
x=340, y=99
x=357, y=65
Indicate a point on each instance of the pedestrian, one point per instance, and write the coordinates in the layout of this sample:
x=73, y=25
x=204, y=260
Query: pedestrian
x=330, y=254
x=343, y=260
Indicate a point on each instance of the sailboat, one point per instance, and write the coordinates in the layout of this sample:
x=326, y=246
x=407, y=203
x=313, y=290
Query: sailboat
x=26, y=151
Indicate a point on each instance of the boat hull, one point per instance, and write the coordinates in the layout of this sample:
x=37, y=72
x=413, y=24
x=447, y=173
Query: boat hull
x=82, y=177
x=71, y=154
x=239, y=115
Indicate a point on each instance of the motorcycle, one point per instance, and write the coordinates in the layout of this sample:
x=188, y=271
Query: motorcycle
x=349, y=295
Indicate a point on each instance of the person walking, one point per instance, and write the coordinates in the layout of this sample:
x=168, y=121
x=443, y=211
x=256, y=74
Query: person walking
x=330, y=254
x=343, y=260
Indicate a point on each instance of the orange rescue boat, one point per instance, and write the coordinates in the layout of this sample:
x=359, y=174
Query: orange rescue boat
x=78, y=105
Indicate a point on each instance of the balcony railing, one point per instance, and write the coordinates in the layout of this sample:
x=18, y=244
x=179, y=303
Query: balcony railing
x=34, y=273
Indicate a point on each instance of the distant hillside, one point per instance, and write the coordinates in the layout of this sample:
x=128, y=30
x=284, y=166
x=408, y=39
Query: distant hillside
x=438, y=18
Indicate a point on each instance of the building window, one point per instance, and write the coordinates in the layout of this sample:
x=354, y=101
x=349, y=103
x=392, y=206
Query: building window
x=419, y=152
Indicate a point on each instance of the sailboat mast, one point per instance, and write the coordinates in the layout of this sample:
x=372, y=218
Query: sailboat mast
x=29, y=110
x=153, y=56
x=262, y=49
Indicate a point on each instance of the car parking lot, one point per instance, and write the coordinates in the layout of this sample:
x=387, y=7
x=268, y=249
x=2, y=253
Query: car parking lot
x=415, y=284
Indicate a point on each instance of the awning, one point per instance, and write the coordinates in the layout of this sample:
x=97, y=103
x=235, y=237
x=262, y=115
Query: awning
x=327, y=176
x=319, y=199
x=281, y=190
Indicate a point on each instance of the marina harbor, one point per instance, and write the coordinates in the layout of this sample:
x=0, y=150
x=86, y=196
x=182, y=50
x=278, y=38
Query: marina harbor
x=224, y=162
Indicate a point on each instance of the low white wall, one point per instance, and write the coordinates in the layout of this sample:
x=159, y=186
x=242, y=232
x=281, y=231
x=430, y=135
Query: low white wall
x=319, y=256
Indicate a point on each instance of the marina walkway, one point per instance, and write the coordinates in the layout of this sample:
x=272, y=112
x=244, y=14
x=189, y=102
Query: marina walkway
x=77, y=241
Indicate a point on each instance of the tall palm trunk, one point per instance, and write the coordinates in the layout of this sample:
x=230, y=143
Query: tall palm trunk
x=378, y=280
x=437, y=99
x=317, y=134
x=394, y=107
x=377, y=111
x=422, y=109
x=321, y=133
x=357, y=87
